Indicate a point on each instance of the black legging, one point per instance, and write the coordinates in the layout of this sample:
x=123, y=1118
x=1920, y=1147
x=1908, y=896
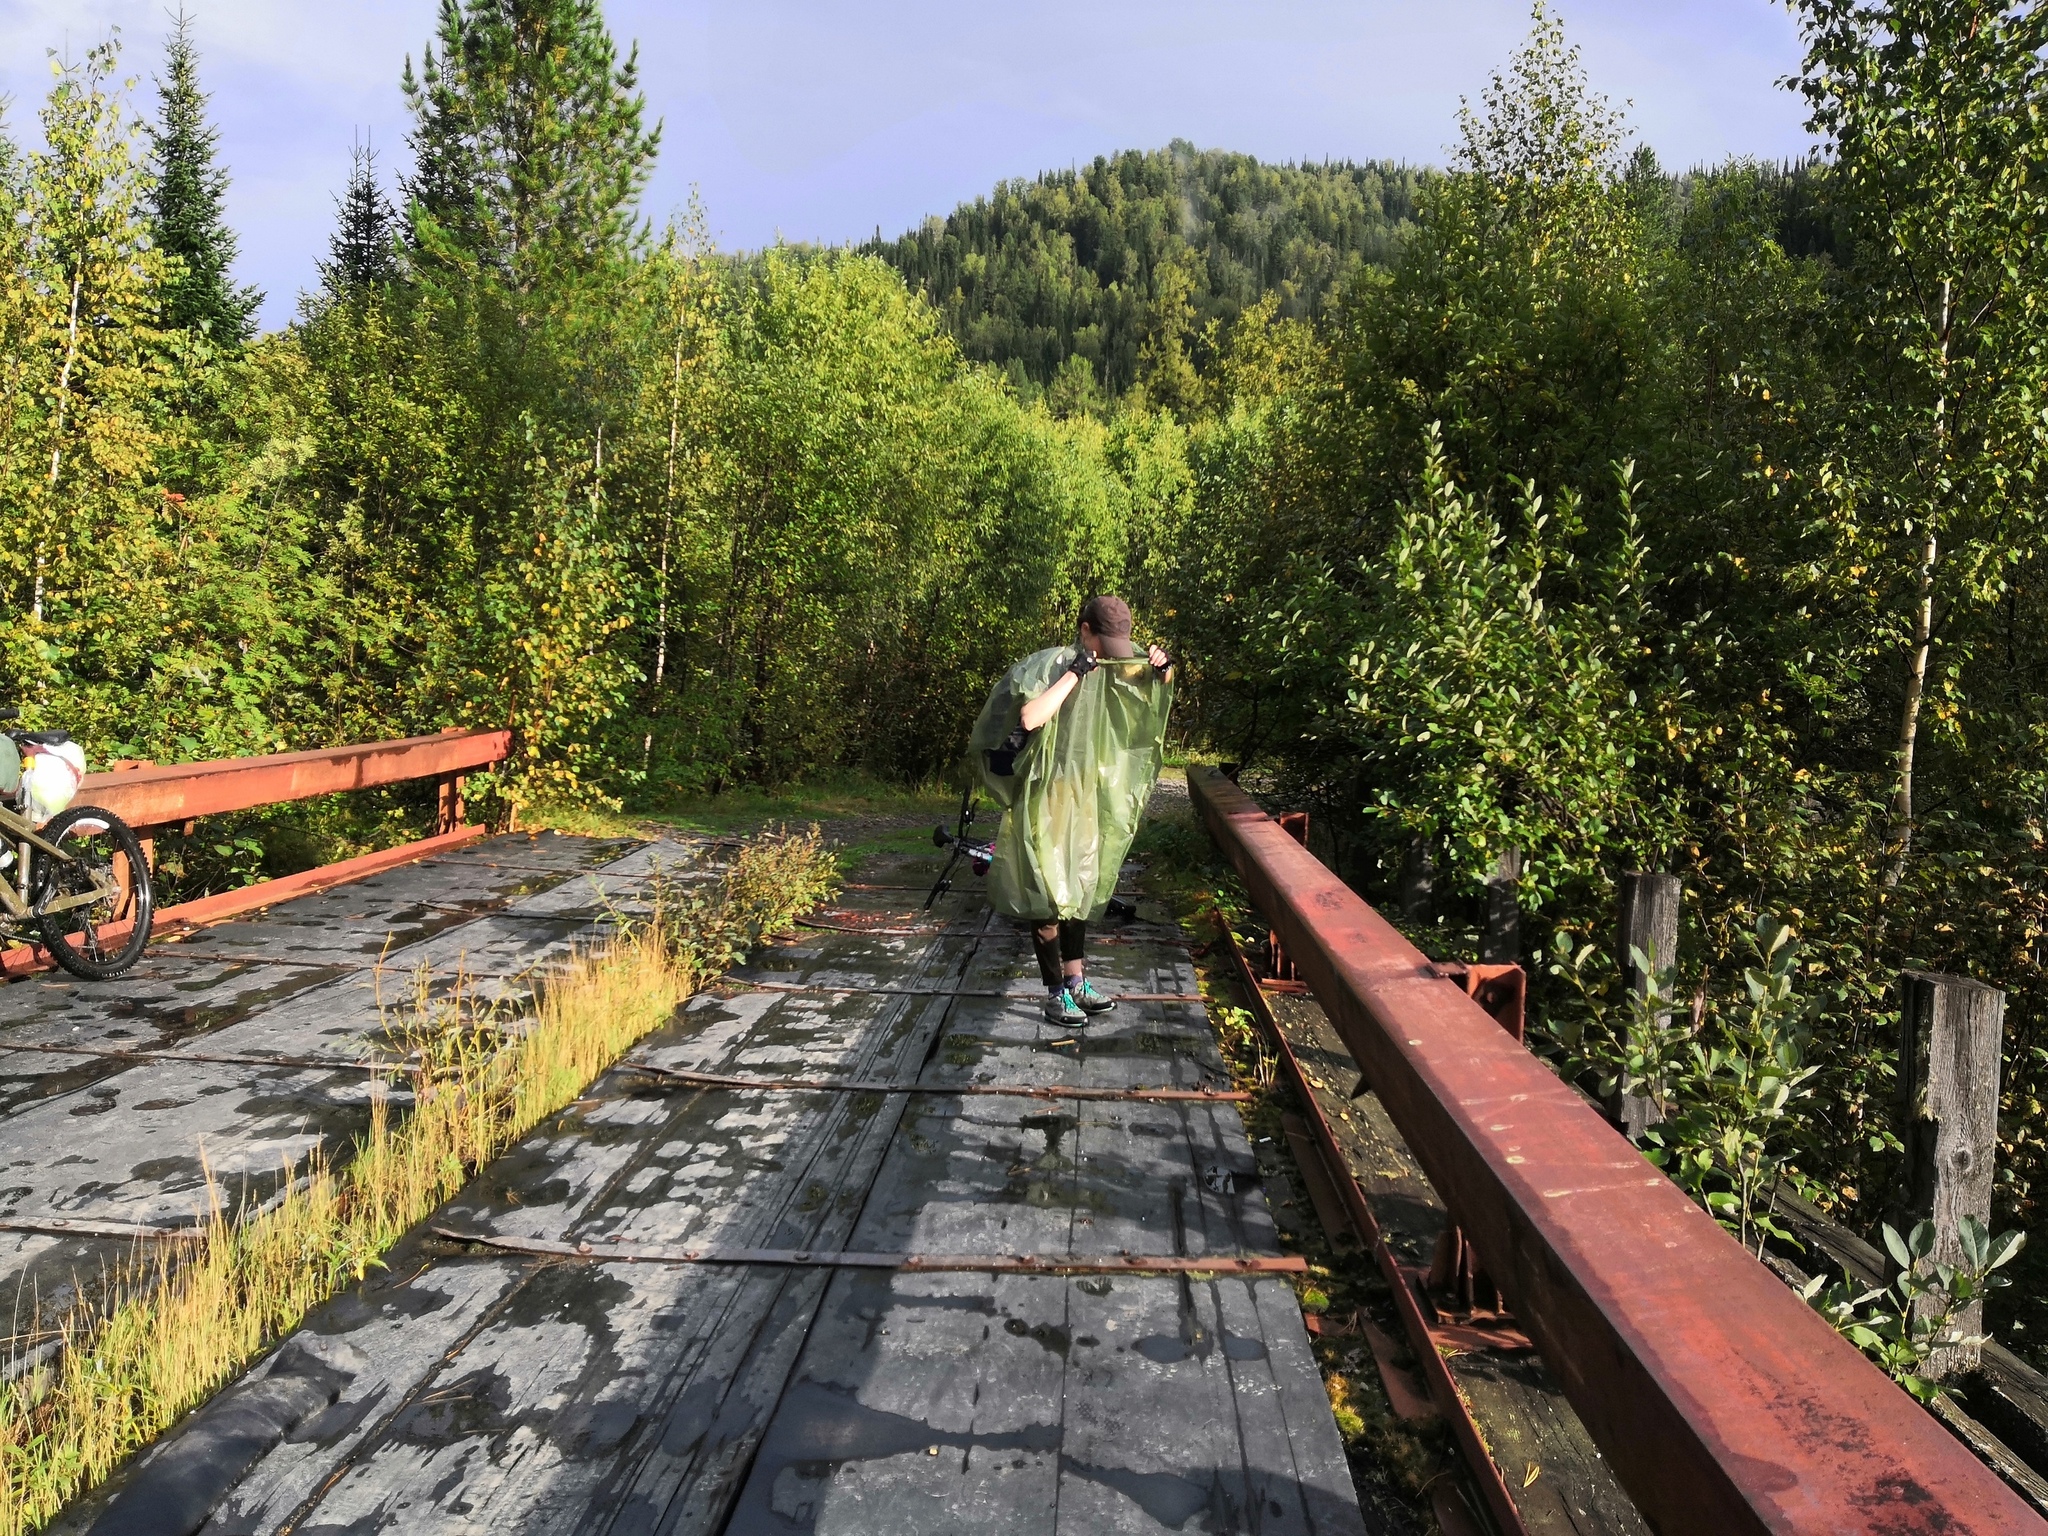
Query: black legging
x=1070, y=942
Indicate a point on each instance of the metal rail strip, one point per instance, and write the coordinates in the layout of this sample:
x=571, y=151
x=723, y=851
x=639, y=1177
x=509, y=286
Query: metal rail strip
x=63, y=1226
x=939, y=930
x=939, y=1090
x=615, y=1252
x=1723, y=1402
x=749, y=984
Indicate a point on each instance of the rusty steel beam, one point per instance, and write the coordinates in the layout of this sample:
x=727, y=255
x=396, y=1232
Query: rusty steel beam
x=1423, y=1340
x=1723, y=1403
x=170, y=796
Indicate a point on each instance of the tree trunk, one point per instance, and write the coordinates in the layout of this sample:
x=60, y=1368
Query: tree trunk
x=57, y=432
x=1909, y=716
x=668, y=522
x=1923, y=613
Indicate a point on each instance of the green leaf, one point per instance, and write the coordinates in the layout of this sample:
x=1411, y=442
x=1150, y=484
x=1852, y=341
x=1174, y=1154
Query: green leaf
x=1902, y=1255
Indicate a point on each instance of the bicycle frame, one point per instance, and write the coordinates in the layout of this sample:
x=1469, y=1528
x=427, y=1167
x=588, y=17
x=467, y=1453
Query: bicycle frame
x=15, y=901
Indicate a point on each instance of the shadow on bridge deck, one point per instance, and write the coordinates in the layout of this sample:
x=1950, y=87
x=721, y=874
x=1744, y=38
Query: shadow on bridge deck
x=486, y=1390
x=98, y=1140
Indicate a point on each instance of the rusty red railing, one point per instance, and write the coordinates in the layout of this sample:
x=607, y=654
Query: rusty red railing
x=1723, y=1403
x=151, y=798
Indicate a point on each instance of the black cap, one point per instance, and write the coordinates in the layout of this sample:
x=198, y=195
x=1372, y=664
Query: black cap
x=1110, y=620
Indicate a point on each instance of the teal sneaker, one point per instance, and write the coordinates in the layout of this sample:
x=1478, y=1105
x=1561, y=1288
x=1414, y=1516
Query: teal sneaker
x=1088, y=1000
x=1061, y=1009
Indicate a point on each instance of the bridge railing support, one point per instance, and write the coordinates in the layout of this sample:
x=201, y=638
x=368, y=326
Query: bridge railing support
x=1722, y=1401
x=1951, y=1030
x=151, y=798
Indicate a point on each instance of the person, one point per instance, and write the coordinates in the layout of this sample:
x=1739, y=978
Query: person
x=1068, y=745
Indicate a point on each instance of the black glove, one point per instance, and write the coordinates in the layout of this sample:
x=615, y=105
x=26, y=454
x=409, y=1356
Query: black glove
x=1083, y=664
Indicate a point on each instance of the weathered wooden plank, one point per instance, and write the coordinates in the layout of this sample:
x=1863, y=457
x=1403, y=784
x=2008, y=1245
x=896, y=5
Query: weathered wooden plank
x=167, y=999
x=131, y=1141
x=699, y=1399
x=606, y=1166
x=922, y=1403
x=1173, y=1417
x=404, y=1326
x=1195, y=1408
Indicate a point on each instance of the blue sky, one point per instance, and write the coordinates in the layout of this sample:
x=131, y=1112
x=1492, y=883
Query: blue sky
x=821, y=119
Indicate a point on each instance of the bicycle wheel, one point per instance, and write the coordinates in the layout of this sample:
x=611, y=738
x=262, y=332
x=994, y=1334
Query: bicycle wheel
x=100, y=938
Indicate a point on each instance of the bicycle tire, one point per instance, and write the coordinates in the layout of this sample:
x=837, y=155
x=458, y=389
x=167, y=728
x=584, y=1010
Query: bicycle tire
x=72, y=936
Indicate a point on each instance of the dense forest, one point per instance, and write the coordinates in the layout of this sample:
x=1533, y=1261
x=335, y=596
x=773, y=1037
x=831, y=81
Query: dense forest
x=1549, y=502
x=1138, y=263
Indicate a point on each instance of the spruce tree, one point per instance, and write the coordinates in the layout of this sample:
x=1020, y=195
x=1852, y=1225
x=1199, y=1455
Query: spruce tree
x=360, y=258
x=189, y=223
x=527, y=142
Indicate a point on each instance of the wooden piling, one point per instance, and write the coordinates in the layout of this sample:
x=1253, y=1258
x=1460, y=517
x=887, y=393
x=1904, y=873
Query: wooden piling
x=1950, y=1033
x=1418, y=880
x=1501, y=944
x=1647, y=921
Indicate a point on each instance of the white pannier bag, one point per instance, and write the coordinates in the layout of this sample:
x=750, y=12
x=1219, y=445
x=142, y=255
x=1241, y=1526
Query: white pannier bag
x=50, y=779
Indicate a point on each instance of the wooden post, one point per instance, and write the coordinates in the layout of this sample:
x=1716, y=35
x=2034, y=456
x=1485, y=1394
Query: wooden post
x=449, y=814
x=1502, y=942
x=146, y=836
x=1418, y=880
x=1950, y=1032
x=1647, y=921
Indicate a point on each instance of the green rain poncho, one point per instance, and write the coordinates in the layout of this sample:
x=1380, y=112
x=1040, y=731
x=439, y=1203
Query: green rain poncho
x=1077, y=789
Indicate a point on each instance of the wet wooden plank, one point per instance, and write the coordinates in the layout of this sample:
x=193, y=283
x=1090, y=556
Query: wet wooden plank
x=1172, y=1399
x=701, y=1353
x=171, y=997
x=707, y=1399
x=132, y=1141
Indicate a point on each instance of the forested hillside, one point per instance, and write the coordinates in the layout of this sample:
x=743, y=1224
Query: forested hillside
x=1544, y=504
x=1128, y=263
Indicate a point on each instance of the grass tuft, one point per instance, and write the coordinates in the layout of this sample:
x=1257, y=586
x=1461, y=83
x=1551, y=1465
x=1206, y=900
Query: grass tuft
x=189, y=1318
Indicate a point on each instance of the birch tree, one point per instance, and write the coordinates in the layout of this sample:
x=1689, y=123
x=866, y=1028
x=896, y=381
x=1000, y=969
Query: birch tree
x=1930, y=111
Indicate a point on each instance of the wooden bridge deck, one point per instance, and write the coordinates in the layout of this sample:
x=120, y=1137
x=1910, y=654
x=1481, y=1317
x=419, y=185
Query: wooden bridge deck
x=476, y=1389
x=97, y=1139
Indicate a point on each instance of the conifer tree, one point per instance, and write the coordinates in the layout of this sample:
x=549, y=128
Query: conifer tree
x=527, y=140
x=360, y=258
x=190, y=187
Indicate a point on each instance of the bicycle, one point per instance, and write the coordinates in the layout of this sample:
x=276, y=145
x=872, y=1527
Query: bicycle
x=66, y=879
